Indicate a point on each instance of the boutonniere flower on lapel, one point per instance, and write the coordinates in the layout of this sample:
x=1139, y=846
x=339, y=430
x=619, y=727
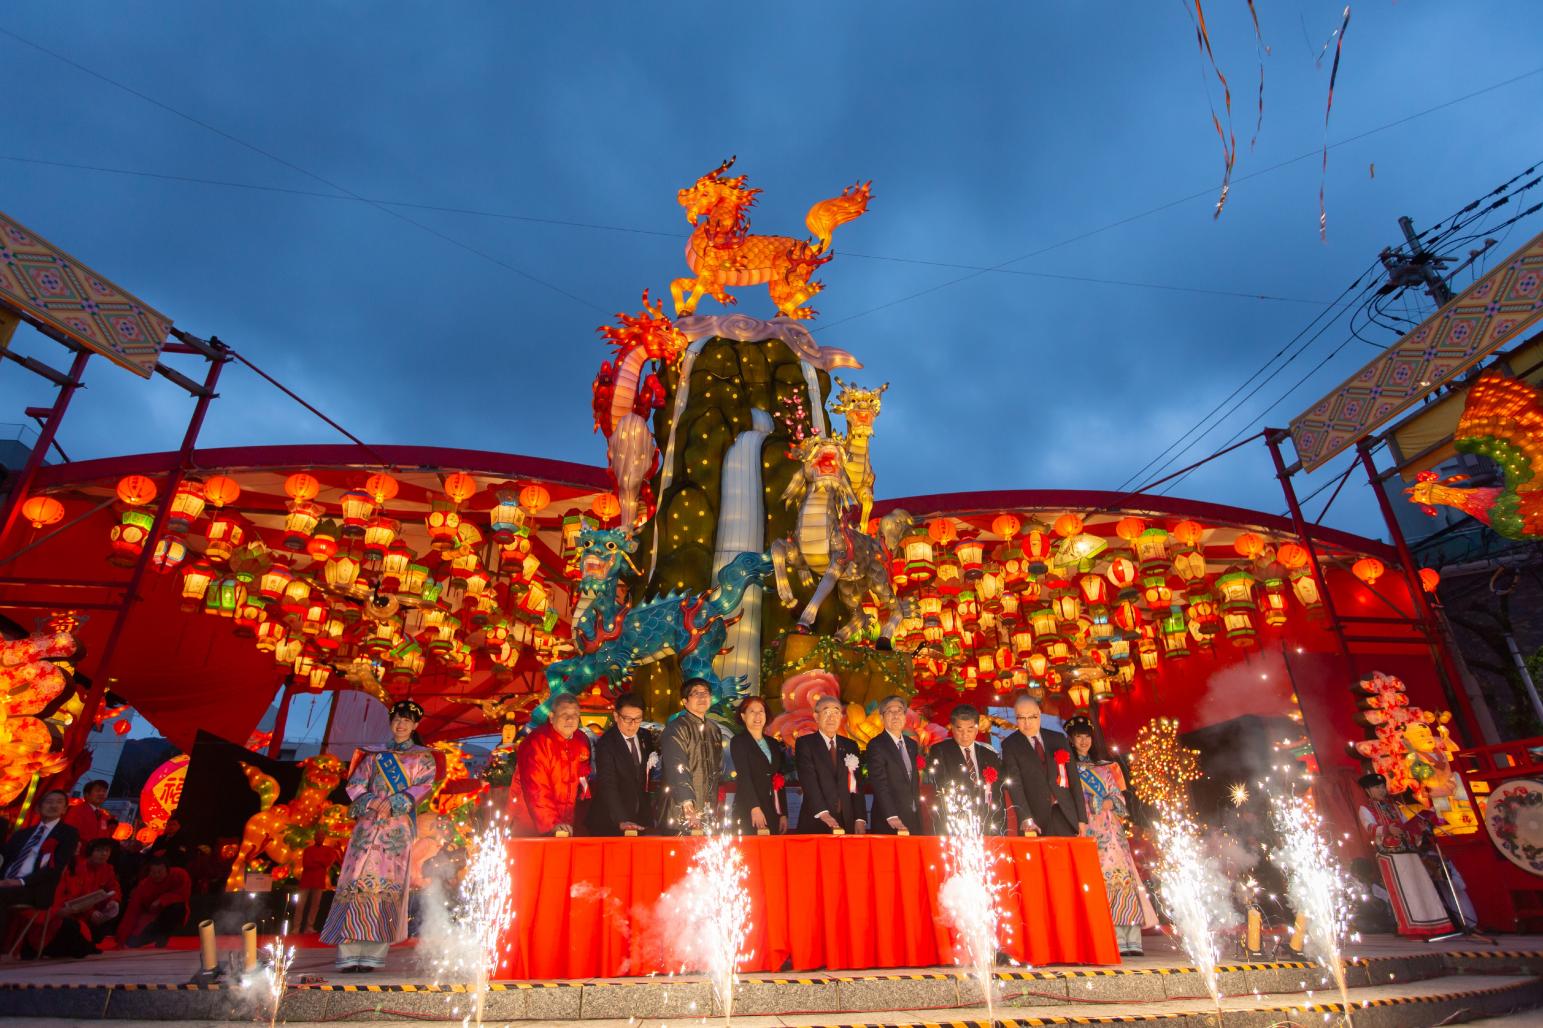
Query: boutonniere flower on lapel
x=778, y=782
x=990, y=775
x=851, y=763
x=1061, y=759
x=653, y=761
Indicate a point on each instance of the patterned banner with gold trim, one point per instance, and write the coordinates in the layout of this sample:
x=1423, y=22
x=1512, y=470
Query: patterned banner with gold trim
x=43, y=284
x=1484, y=317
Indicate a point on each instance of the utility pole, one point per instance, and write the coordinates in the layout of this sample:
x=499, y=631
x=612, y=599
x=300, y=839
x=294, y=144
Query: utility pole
x=1419, y=267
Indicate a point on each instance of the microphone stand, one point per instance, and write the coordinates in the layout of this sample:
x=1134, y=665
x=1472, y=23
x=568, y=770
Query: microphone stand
x=1463, y=928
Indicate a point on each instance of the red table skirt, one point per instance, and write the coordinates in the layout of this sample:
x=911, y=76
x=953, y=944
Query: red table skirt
x=587, y=908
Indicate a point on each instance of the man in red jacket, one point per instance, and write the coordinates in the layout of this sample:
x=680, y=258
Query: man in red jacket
x=87, y=817
x=552, y=765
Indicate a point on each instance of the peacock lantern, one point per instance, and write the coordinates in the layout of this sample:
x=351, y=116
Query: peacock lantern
x=1502, y=420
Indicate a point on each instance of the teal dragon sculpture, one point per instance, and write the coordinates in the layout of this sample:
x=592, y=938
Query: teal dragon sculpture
x=612, y=637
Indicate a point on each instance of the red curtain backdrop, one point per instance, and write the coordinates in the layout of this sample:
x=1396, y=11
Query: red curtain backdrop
x=591, y=908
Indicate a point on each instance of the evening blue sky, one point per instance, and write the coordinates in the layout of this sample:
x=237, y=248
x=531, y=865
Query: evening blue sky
x=989, y=131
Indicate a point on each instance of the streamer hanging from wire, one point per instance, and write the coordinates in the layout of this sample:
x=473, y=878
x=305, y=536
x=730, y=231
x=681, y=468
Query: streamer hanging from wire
x=1262, y=51
x=1323, y=174
x=1229, y=141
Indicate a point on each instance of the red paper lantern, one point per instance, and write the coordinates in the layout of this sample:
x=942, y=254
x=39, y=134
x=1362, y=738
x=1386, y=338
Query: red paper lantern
x=42, y=510
x=1430, y=578
x=460, y=487
x=1292, y=556
x=301, y=486
x=1368, y=569
x=381, y=487
x=136, y=490
x=221, y=490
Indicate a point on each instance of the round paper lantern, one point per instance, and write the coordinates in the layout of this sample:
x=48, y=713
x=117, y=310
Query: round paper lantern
x=1430, y=578
x=1129, y=528
x=146, y=835
x=122, y=831
x=606, y=506
x=534, y=499
x=221, y=489
x=1368, y=569
x=941, y=530
x=1006, y=525
x=381, y=487
x=1292, y=555
x=460, y=487
x=301, y=486
x=1067, y=525
x=136, y=490
x=1188, y=532
x=1247, y=545
x=42, y=510
x=162, y=793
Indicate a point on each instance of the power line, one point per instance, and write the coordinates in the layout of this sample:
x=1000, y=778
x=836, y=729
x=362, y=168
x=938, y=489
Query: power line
x=309, y=174
x=1207, y=192
x=565, y=223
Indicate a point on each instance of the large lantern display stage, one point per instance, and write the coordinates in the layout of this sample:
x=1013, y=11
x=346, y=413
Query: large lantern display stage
x=737, y=532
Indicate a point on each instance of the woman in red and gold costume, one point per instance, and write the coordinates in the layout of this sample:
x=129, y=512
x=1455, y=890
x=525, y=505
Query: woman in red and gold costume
x=1416, y=904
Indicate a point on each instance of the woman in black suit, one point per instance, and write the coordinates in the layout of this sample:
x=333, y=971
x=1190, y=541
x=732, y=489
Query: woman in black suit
x=757, y=762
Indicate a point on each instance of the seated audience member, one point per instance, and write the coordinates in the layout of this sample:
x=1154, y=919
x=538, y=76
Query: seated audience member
x=171, y=844
x=552, y=765
x=619, y=786
x=86, y=903
x=158, y=905
x=893, y=773
x=760, y=767
x=34, y=858
x=966, y=773
x=827, y=772
x=87, y=817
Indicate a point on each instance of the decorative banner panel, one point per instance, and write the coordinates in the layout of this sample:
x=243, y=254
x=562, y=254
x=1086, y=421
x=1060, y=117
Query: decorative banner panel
x=44, y=284
x=1495, y=309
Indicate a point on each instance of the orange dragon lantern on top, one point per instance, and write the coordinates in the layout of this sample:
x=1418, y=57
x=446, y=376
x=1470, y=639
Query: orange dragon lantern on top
x=722, y=252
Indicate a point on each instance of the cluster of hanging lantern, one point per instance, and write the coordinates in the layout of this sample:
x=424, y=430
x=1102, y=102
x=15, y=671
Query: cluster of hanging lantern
x=343, y=593
x=1054, y=608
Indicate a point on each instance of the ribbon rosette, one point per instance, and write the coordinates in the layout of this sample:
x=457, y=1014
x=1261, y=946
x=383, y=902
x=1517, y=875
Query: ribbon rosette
x=1061, y=759
x=777, y=785
x=989, y=776
x=851, y=763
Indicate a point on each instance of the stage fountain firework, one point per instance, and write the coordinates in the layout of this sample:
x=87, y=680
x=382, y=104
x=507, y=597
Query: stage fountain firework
x=971, y=893
x=709, y=914
x=1318, y=889
x=464, y=945
x=1196, y=893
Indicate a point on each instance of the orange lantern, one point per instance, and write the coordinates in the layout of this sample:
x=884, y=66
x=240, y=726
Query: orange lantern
x=122, y=831
x=1291, y=556
x=460, y=487
x=1129, y=528
x=381, y=487
x=534, y=499
x=146, y=835
x=42, y=510
x=606, y=506
x=1067, y=525
x=1248, y=545
x=301, y=486
x=1368, y=569
x=1006, y=525
x=1188, y=532
x=136, y=490
x=221, y=489
x=1430, y=578
x=942, y=531
x=324, y=543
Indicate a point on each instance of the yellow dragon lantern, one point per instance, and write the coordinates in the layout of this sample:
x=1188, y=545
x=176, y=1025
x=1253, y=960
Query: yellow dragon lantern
x=721, y=251
x=861, y=409
x=282, y=831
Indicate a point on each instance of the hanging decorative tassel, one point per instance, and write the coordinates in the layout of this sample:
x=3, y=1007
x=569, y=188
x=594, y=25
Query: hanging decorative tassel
x=1323, y=174
x=1229, y=141
x=1262, y=50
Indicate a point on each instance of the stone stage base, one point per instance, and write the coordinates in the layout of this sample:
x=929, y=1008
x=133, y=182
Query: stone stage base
x=1394, y=984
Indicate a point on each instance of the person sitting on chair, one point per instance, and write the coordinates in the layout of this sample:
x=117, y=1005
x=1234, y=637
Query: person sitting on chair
x=35, y=857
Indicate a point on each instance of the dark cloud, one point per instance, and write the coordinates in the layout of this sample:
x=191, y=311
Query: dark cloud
x=989, y=132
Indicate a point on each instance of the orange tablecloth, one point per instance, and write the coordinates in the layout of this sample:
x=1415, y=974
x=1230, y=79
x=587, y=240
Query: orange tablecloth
x=587, y=908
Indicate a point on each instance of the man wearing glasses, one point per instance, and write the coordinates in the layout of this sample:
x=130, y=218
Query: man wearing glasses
x=1041, y=780
x=620, y=781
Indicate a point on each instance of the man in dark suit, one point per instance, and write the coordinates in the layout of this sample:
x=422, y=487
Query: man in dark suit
x=619, y=783
x=1041, y=783
x=893, y=774
x=968, y=770
x=35, y=857
x=827, y=771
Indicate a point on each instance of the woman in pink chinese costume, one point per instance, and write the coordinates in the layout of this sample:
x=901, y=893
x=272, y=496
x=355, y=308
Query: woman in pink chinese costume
x=386, y=784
